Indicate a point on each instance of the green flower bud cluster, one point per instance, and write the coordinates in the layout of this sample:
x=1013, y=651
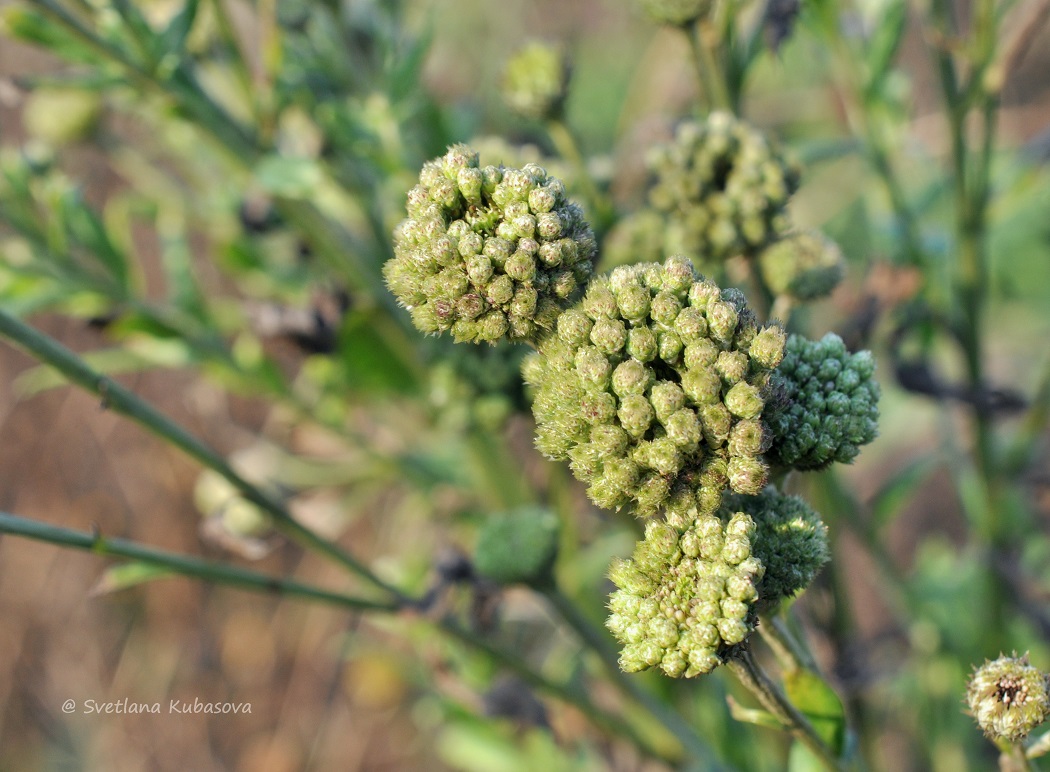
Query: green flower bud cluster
x=722, y=188
x=829, y=405
x=804, y=265
x=678, y=13
x=475, y=385
x=790, y=540
x=1009, y=698
x=488, y=253
x=536, y=80
x=518, y=546
x=654, y=386
x=686, y=597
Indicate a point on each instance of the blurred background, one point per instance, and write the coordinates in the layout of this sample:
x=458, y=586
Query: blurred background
x=243, y=332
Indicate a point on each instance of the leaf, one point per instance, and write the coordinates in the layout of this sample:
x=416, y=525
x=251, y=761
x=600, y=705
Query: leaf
x=754, y=716
x=818, y=701
x=802, y=759
x=370, y=363
x=295, y=178
x=885, y=43
x=125, y=575
x=174, y=35
x=898, y=489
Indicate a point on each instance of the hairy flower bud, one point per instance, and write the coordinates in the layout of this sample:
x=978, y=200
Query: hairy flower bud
x=1008, y=698
x=686, y=597
x=827, y=406
x=690, y=411
x=487, y=253
x=790, y=540
x=805, y=265
x=722, y=188
x=536, y=81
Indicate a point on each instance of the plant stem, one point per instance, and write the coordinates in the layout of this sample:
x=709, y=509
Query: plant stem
x=756, y=681
x=568, y=147
x=596, y=640
x=708, y=70
x=123, y=401
x=578, y=699
x=185, y=565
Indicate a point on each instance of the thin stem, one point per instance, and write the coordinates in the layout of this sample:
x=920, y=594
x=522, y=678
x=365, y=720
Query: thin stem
x=578, y=699
x=122, y=401
x=712, y=79
x=789, y=652
x=568, y=147
x=185, y=565
x=756, y=681
x=596, y=640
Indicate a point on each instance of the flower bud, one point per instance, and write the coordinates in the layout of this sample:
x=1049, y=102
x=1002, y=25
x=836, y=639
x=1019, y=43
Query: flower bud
x=804, y=265
x=676, y=403
x=536, y=81
x=470, y=231
x=826, y=406
x=687, y=595
x=1008, y=698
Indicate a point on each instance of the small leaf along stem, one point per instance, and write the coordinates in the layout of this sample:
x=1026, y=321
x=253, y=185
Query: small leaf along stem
x=753, y=678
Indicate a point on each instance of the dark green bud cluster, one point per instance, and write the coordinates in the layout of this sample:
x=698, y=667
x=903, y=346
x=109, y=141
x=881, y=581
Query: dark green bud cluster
x=686, y=597
x=678, y=13
x=790, y=540
x=474, y=385
x=1008, y=698
x=722, y=188
x=488, y=253
x=654, y=386
x=518, y=546
x=805, y=265
x=536, y=80
x=828, y=406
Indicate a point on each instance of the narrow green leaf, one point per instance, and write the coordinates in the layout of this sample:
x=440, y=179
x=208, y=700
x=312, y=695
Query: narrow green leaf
x=755, y=716
x=126, y=575
x=885, y=43
x=897, y=491
x=802, y=759
x=178, y=29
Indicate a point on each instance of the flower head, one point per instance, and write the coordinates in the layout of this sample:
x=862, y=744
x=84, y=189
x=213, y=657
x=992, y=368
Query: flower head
x=488, y=253
x=1008, y=697
x=829, y=405
x=536, y=79
x=722, y=188
x=805, y=265
x=790, y=540
x=654, y=386
x=686, y=596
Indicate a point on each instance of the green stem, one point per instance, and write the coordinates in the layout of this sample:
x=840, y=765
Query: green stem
x=596, y=640
x=568, y=147
x=185, y=565
x=578, y=699
x=756, y=681
x=791, y=655
x=122, y=401
x=708, y=70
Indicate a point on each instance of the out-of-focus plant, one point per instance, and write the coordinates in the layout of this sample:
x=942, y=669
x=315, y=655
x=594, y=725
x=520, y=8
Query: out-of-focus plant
x=298, y=182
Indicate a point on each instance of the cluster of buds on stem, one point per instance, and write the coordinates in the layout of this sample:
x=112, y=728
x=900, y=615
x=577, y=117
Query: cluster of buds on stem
x=722, y=188
x=686, y=597
x=827, y=407
x=488, y=253
x=653, y=386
